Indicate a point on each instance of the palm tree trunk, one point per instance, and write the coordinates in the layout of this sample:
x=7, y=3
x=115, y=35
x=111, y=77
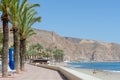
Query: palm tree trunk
x=22, y=54
x=16, y=49
x=5, y=45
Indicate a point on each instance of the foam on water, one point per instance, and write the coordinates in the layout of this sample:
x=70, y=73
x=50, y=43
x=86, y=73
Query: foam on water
x=105, y=66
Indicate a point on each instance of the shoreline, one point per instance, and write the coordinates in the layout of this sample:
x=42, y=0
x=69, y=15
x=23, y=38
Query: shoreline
x=104, y=75
x=101, y=74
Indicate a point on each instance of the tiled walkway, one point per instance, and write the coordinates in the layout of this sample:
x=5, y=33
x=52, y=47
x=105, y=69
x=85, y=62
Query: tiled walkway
x=36, y=73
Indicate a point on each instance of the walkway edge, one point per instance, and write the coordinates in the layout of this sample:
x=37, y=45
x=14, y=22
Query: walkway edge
x=69, y=73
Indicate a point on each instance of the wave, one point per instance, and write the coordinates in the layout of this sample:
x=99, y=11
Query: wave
x=112, y=71
x=104, y=66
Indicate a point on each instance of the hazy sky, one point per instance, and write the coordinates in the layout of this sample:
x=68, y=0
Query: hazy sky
x=86, y=19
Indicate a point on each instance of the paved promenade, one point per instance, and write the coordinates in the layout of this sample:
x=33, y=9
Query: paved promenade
x=35, y=73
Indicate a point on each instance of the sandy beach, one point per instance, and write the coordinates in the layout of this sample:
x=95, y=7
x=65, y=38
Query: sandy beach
x=104, y=75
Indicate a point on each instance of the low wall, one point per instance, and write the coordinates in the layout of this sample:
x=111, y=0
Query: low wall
x=65, y=73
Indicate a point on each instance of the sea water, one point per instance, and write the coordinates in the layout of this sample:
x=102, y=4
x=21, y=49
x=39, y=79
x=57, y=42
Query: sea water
x=105, y=66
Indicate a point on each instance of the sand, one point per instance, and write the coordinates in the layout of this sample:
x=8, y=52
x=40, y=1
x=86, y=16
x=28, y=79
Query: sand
x=104, y=75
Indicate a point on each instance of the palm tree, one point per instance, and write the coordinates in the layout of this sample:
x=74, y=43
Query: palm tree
x=49, y=51
x=38, y=47
x=26, y=20
x=14, y=11
x=58, y=55
x=4, y=4
x=45, y=53
x=1, y=41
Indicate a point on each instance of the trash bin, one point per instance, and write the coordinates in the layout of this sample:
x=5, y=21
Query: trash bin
x=11, y=58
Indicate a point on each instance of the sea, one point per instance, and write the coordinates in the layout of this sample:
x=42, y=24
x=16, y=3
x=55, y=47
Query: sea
x=104, y=66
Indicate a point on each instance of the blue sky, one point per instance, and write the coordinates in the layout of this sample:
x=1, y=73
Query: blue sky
x=86, y=19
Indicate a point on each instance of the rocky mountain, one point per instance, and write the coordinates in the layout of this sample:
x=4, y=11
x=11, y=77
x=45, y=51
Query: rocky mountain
x=76, y=49
x=97, y=51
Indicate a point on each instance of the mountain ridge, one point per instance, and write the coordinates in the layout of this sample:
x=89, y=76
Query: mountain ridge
x=78, y=49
